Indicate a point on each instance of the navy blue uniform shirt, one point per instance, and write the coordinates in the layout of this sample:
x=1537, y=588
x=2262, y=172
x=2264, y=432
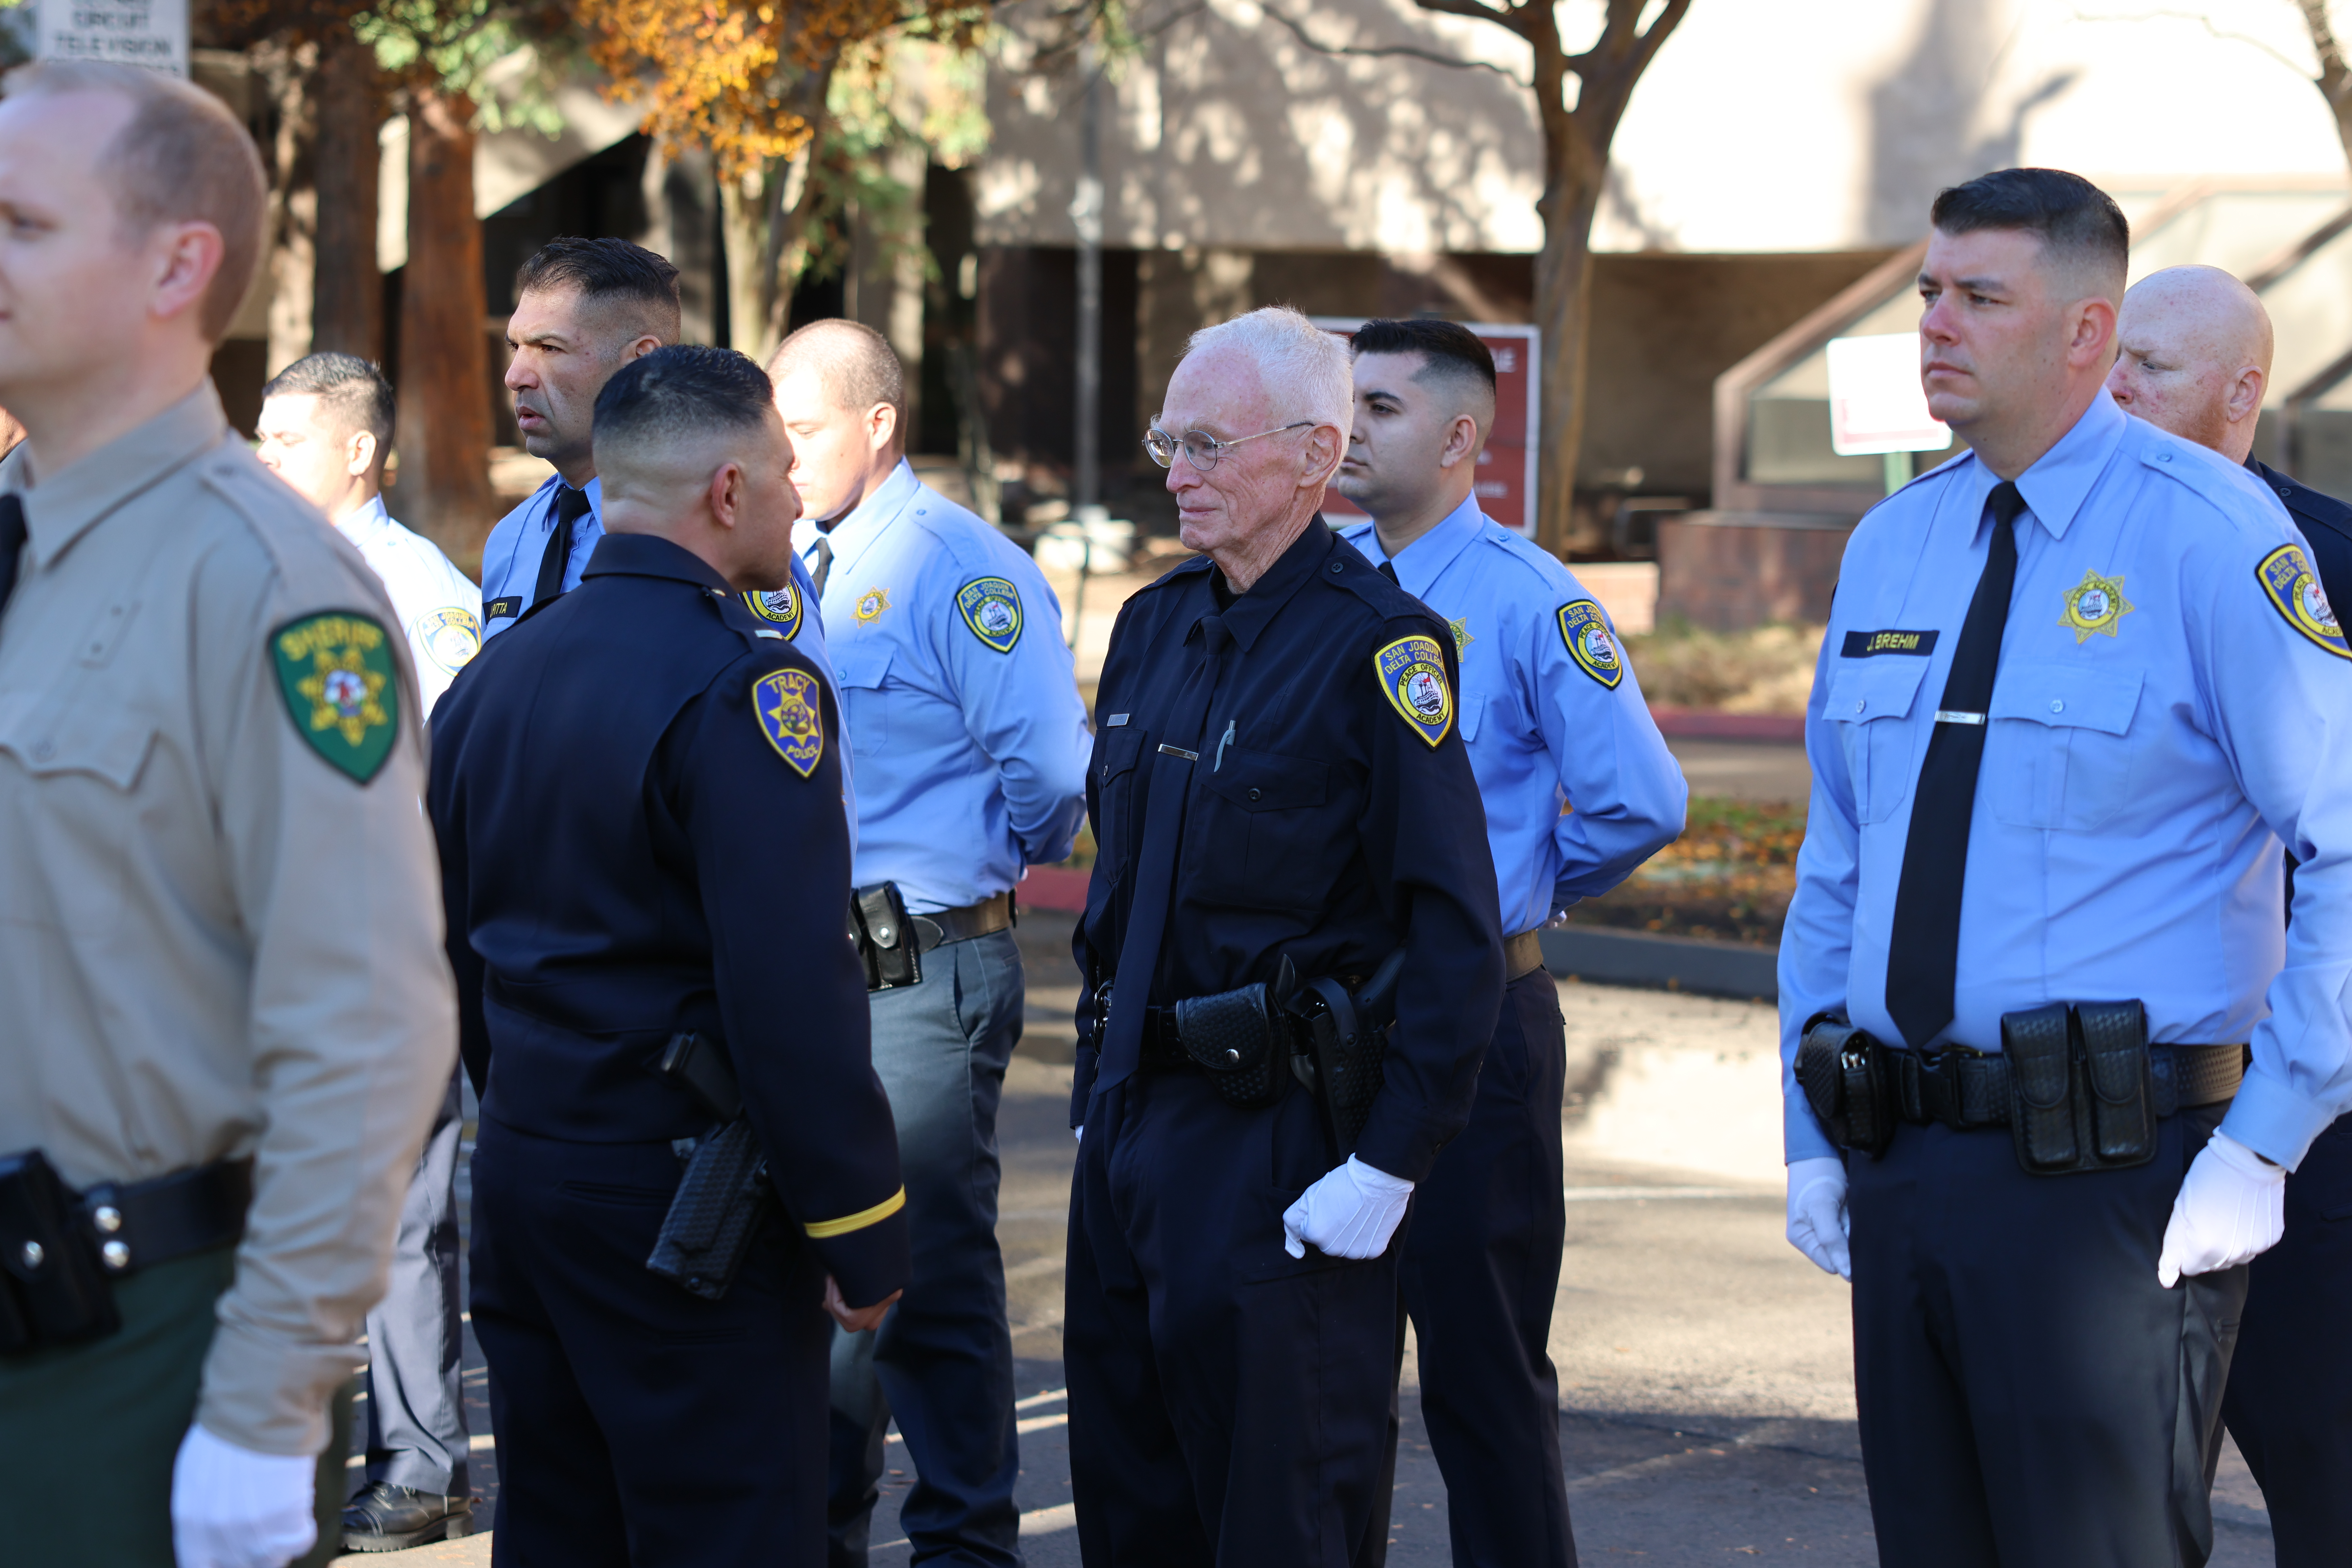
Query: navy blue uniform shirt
x=1332, y=815
x=2326, y=523
x=637, y=792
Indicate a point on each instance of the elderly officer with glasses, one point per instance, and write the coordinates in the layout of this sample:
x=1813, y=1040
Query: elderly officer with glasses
x=1293, y=854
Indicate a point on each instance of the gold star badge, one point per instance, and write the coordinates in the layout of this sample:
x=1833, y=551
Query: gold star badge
x=2094, y=604
x=870, y=606
x=1461, y=637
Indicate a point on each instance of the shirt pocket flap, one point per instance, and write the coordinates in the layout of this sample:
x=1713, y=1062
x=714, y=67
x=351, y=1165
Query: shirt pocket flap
x=861, y=665
x=1267, y=780
x=1114, y=753
x=2069, y=696
x=1878, y=688
x=114, y=752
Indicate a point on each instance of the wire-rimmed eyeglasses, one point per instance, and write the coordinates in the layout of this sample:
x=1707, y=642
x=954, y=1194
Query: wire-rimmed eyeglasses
x=1202, y=450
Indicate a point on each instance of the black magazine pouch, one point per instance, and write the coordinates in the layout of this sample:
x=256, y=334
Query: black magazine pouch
x=2081, y=1094
x=1844, y=1073
x=1239, y=1040
x=52, y=1289
x=2038, y=1045
x=2123, y=1089
x=885, y=938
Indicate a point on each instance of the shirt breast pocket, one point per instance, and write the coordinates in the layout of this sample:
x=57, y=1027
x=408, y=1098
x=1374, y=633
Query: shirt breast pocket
x=1260, y=831
x=2061, y=753
x=83, y=771
x=1868, y=701
x=1114, y=779
x=861, y=671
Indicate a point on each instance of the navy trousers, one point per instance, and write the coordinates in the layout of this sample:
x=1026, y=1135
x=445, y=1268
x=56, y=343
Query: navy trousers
x=941, y=1362
x=1229, y=1403
x=2031, y=1397
x=2289, y=1403
x=1481, y=1273
x=416, y=1407
x=639, y=1426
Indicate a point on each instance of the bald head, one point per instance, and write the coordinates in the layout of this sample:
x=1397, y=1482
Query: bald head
x=2194, y=355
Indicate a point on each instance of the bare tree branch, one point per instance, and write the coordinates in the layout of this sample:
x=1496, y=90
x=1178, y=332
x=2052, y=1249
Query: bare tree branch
x=2311, y=9
x=1511, y=17
x=1405, y=50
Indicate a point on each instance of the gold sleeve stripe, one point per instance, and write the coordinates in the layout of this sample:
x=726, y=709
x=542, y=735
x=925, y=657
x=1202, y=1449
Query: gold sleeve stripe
x=821, y=1229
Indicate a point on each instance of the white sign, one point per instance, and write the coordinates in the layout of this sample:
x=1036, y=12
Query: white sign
x=150, y=33
x=1877, y=404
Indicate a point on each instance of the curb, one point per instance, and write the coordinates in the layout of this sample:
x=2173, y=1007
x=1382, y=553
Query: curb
x=1666, y=962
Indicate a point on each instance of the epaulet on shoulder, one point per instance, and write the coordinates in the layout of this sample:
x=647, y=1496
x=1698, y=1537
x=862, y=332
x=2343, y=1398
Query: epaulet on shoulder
x=1191, y=565
x=316, y=564
x=1350, y=572
x=2228, y=489
x=1526, y=553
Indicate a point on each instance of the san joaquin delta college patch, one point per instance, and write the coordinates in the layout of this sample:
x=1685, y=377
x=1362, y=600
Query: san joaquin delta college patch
x=991, y=608
x=341, y=690
x=1411, y=671
x=2294, y=590
x=784, y=701
x=780, y=608
x=1589, y=642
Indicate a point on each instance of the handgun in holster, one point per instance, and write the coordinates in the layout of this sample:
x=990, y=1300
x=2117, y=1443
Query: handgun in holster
x=723, y=1195
x=884, y=937
x=1344, y=1035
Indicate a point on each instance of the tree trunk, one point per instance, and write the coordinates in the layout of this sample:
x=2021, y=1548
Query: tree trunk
x=347, y=299
x=743, y=219
x=445, y=366
x=293, y=199
x=1564, y=314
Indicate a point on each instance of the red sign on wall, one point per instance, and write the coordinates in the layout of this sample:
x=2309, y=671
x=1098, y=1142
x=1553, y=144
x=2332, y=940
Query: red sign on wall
x=1506, y=469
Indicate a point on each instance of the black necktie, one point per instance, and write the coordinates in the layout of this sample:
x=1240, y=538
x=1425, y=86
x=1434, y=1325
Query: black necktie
x=570, y=505
x=1155, y=861
x=12, y=543
x=824, y=565
x=1924, y=948
x=1388, y=570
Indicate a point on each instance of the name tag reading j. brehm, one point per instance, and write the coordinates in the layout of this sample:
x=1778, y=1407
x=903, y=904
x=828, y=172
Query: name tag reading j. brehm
x=1869, y=644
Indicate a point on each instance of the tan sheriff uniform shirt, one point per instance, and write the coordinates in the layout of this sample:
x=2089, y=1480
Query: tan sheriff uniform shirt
x=220, y=925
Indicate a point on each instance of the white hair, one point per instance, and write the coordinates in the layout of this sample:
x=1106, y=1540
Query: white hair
x=1306, y=372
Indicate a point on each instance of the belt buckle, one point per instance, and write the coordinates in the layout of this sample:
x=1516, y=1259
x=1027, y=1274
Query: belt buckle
x=1940, y=1096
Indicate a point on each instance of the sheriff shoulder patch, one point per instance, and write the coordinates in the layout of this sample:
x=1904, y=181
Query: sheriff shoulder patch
x=2294, y=590
x=785, y=704
x=1411, y=671
x=1590, y=643
x=782, y=608
x=450, y=637
x=341, y=690
x=991, y=608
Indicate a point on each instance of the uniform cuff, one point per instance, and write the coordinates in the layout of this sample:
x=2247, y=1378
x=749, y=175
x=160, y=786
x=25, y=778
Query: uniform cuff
x=1801, y=1137
x=1401, y=1146
x=868, y=1262
x=2273, y=1120
x=268, y=1395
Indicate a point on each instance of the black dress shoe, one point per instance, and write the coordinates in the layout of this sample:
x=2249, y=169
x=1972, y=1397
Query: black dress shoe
x=387, y=1518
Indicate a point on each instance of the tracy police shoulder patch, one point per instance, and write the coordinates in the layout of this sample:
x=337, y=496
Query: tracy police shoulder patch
x=2294, y=590
x=785, y=704
x=991, y=608
x=341, y=690
x=1412, y=677
x=450, y=637
x=782, y=607
x=1590, y=643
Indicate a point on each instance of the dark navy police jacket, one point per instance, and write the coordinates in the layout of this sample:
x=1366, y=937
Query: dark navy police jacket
x=2326, y=525
x=1332, y=816
x=638, y=801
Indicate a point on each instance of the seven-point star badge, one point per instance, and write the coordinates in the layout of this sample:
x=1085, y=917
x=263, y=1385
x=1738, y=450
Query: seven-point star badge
x=2094, y=604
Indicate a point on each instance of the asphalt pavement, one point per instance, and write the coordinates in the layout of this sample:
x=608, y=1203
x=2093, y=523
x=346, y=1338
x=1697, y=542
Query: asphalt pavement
x=1706, y=1374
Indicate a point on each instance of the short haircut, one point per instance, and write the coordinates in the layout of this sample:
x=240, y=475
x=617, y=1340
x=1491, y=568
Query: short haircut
x=1452, y=354
x=1306, y=369
x=181, y=158
x=857, y=365
x=677, y=393
x=607, y=272
x=2083, y=234
x=347, y=386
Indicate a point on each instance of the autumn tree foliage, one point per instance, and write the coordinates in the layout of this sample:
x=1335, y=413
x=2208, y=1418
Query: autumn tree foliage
x=755, y=83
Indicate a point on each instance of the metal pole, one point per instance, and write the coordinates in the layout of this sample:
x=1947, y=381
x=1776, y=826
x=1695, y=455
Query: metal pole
x=1087, y=210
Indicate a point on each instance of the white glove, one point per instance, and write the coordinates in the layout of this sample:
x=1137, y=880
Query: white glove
x=1350, y=1212
x=1079, y=1132
x=2233, y=1205
x=232, y=1507
x=1817, y=1219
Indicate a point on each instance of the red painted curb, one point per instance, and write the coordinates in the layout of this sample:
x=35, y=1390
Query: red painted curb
x=1055, y=888
x=1696, y=724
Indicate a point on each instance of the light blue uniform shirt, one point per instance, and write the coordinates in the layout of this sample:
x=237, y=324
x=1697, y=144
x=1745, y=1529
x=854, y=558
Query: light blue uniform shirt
x=2162, y=720
x=510, y=570
x=437, y=604
x=962, y=710
x=1579, y=786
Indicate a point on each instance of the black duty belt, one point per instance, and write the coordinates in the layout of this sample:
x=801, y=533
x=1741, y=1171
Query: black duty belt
x=1965, y=1089
x=940, y=927
x=1522, y=954
x=169, y=1218
x=60, y=1250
